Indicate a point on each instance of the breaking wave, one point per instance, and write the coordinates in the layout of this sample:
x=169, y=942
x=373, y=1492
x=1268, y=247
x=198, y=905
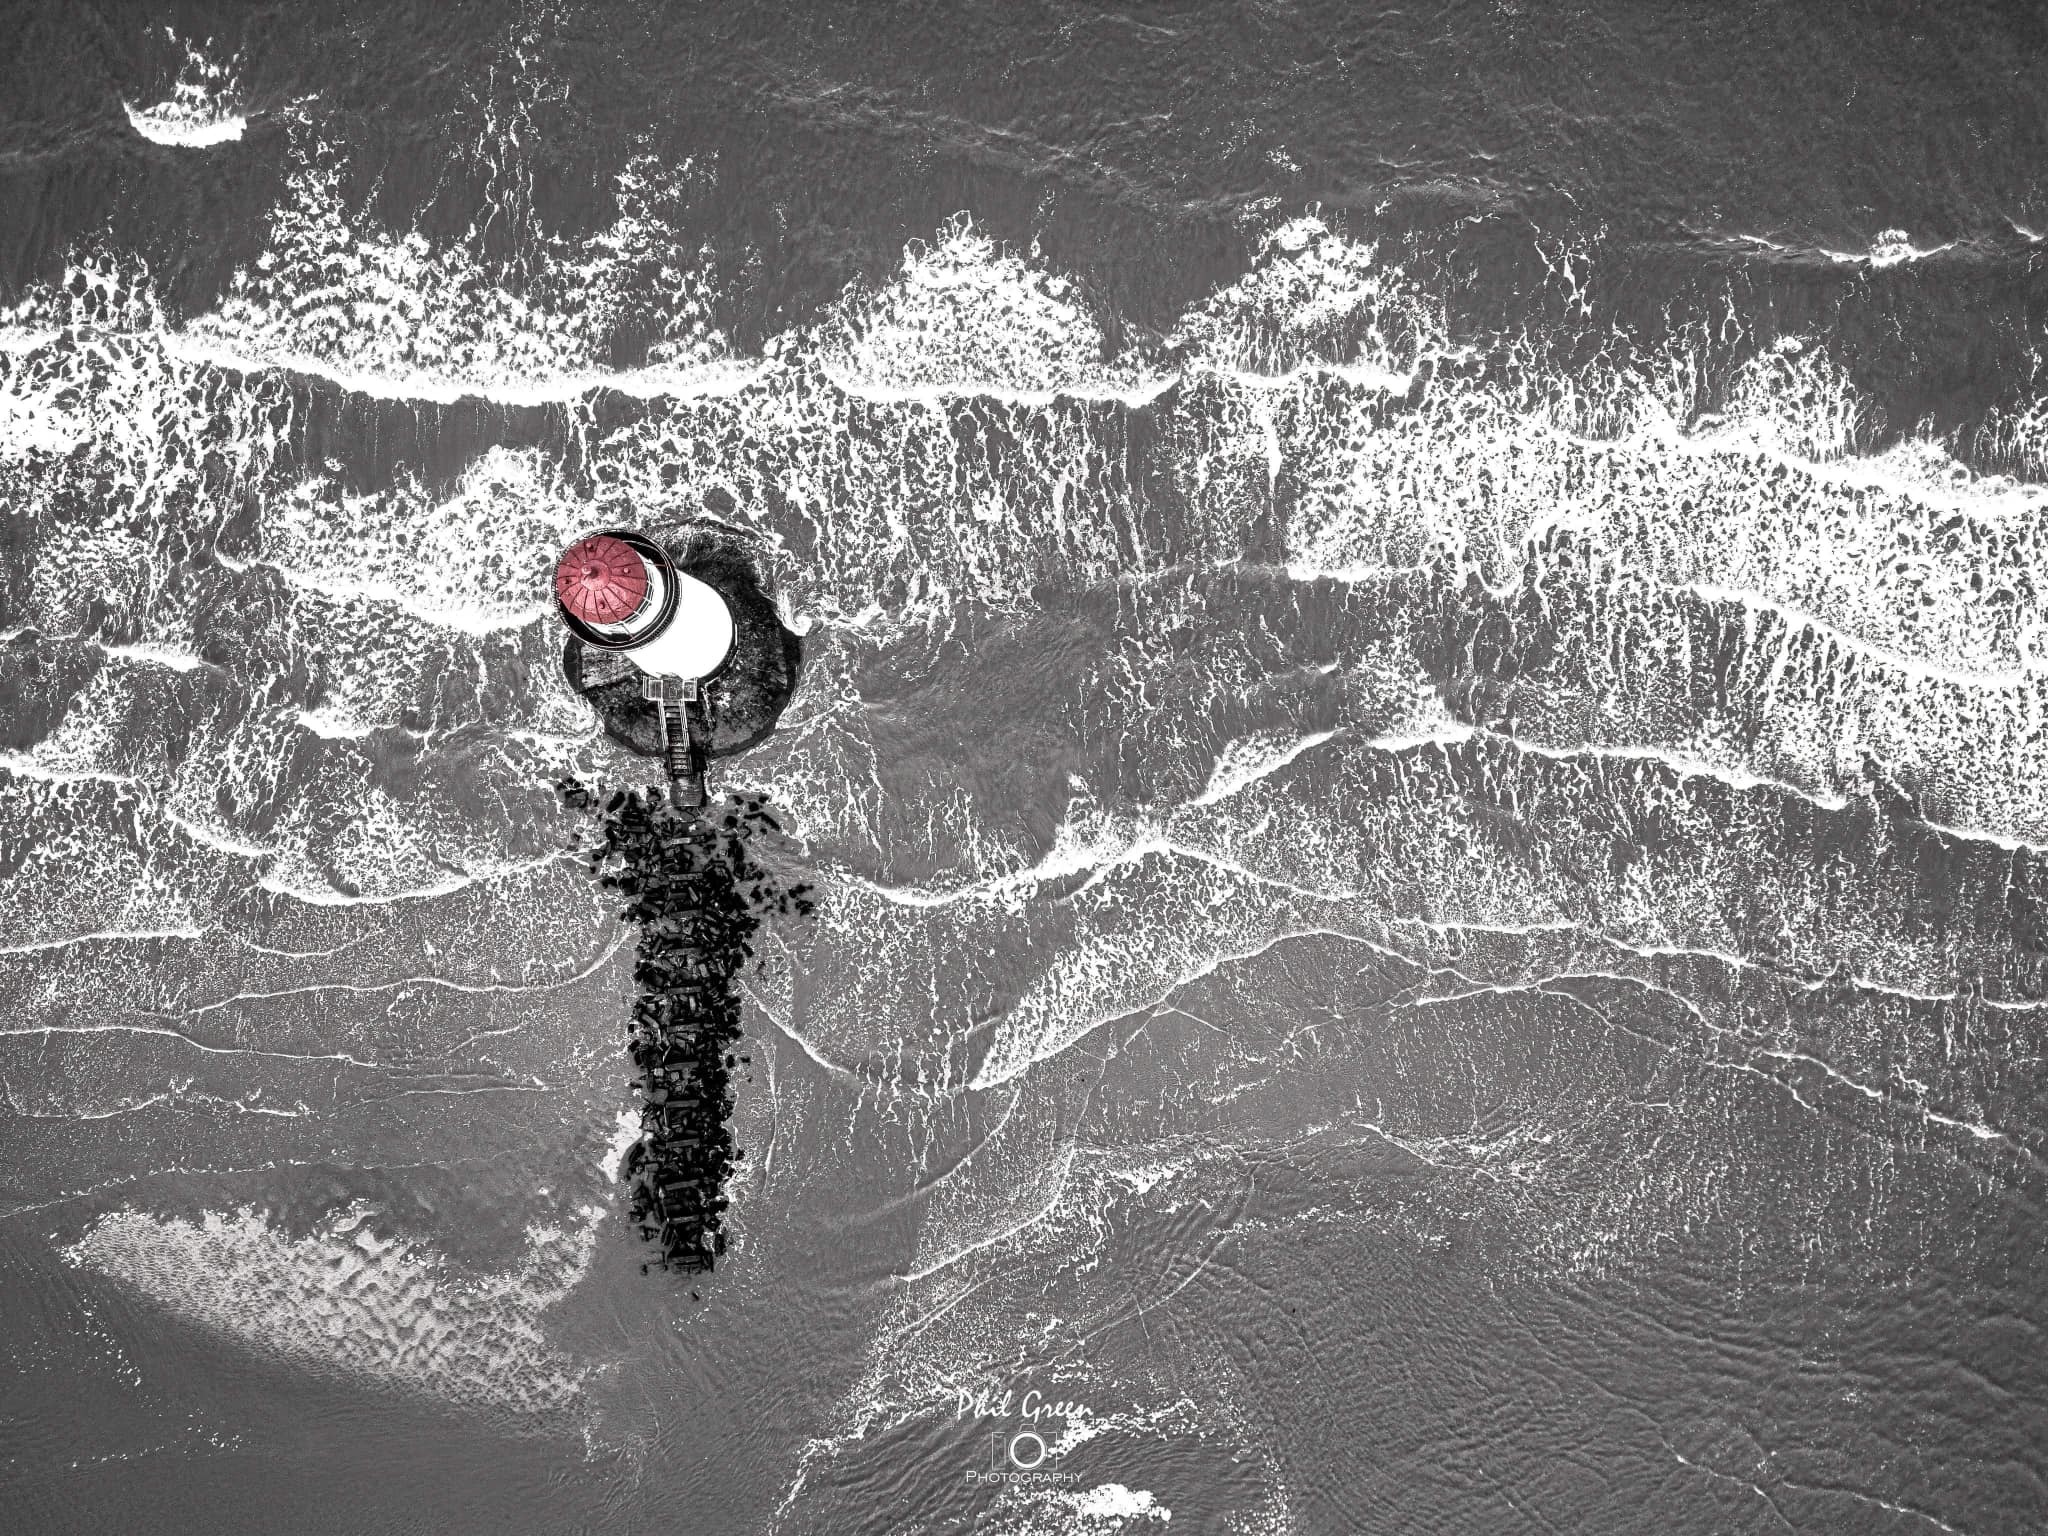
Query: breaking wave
x=201, y=109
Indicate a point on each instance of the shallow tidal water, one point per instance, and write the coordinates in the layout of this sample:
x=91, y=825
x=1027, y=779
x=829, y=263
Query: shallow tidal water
x=1421, y=754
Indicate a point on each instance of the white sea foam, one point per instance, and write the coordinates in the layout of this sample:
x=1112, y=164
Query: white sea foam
x=174, y=657
x=476, y=562
x=350, y=1299
x=201, y=109
x=31, y=427
x=1117, y=1503
x=1247, y=760
x=964, y=317
x=1890, y=248
x=333, y=724
x=391, y=315
x=625, y=1136
x=1319, y=302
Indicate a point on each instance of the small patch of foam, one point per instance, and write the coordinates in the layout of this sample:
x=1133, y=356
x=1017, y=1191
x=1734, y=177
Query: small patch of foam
x=200, y=110
x=332, y=723
x=175, y=658
x=1115, y=1502
x=625, y=1136
x=29, y=427
x=1891, y=248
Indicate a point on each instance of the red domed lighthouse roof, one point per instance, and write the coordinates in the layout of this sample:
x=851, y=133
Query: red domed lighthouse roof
x=601, y=580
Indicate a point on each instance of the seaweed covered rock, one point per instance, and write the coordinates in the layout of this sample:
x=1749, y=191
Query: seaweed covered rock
x=698, y=893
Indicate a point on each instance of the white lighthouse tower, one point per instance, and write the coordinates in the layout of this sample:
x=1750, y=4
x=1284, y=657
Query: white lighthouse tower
x=620, y=592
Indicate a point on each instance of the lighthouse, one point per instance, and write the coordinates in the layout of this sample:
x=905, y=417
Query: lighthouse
x=623, y=593
x=676, y=642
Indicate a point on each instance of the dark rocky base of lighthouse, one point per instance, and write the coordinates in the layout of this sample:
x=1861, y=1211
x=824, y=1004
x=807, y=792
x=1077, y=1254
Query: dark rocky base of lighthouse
x=698, y=893
x=740, y=705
